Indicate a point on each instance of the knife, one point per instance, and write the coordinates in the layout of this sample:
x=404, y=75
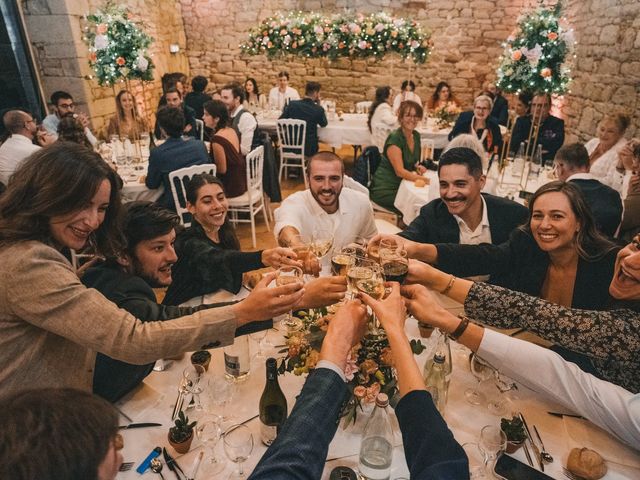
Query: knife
x=138, y=425
x=172, y=464
x=571, y=415
x=536, y=450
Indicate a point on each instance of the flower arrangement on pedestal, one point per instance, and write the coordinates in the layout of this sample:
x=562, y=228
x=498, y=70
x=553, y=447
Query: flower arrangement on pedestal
x=533, y=58
x=446, y=115
x=355, y=36
x=117, y=46
x=369, y=368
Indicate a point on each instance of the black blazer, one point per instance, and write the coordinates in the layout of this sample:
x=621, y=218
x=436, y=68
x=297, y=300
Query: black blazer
x=436, y=225
x=519, y=264
x=500, y=110
x=312, y=113
x=550, y=135
x=463, y=125
x=605, y=204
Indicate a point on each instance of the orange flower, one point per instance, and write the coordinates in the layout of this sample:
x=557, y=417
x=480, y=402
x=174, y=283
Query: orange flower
x=341, y=45
x=394, y=33
x=516, y=55
x=102, y=28
x=545, y=72
x=401, y=45
x=269, y=44
x=294, y=45
x=360, y=391
x=264, y=33
x=93, y=57
x=552, y=36
x=120, y=61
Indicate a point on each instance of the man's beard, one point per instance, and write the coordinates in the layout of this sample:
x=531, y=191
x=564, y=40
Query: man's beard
x=138, y=271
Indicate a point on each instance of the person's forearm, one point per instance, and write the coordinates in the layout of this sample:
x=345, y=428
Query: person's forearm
x=448, y=323
x=425, y=252
x=409, y=376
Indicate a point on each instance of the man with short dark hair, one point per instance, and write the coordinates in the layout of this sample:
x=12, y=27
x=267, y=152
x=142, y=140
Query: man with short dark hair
x=500, y=110
x=309, y=110
x=63, y=105
x=282, y=93
x=462, y=214
x=550, y=130
x=196, y=98
x=173, y=98
x=242, y=121
x=21, y=127
x=572, y=165
x=175, y=153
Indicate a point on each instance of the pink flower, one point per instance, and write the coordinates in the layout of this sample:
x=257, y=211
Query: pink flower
x=101, y=29
x=351, y=368
x=362, y=44
x=120, y=61
x=516, y=55
x=372, y=393
x=360, y=391
x=552, y=36
x=379, y=27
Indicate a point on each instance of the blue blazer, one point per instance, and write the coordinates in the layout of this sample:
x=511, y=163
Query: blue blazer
x=300, y=450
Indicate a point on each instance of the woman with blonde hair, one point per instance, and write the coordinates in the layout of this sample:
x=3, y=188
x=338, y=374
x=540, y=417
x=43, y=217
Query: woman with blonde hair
x=477, y=122
x=603, y=150
x=127, y=122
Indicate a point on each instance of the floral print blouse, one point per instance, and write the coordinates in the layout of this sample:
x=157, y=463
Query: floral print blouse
x=611, y=339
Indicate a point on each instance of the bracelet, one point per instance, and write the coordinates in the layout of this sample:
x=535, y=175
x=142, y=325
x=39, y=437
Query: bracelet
x=462, y=326
x=452, y=280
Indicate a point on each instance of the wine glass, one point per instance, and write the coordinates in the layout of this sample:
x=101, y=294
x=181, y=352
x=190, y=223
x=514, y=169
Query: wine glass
x=208, y=431
x=192, y=379
x=286, y=275
x=493, y=443
x=301, y=245
x=481, y=371
x=359, y=269
x=395, y=265
x=387, y=246
x=321, y=242
x=259, y=337
x=238, y=445
x=220, y=391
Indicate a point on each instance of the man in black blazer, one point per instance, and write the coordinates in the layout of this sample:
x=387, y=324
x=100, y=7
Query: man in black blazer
x=550, y=133
x=462, y=214
x=311, y=112
x=500, y=110
x=572, y=165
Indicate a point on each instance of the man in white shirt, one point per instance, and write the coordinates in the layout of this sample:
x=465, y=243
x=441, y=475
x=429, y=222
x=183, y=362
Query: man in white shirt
x=19, y=145
x=325, y=205
x=242, y=121
x=62, y=104
x=278, y=96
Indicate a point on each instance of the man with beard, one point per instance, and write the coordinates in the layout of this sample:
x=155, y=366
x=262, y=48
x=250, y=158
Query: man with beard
x=63, y=105
x=462, y=214
x=325, y=205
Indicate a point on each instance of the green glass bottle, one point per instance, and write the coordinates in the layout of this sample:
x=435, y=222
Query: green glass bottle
x=273, y=405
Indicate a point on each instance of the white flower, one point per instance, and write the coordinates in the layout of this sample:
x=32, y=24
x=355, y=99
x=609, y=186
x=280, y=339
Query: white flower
x=362, y=44
x=415, y=44
x=533, y=55
x=142, y=63
x=318, y=29
x=379, y=27
x=568, y=37
x=101, y=42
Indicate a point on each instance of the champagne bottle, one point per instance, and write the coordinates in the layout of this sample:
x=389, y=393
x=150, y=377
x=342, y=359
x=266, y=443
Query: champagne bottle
x=273, y=405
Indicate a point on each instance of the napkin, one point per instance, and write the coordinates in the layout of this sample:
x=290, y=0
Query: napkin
x=585, y=434
x=136, y=403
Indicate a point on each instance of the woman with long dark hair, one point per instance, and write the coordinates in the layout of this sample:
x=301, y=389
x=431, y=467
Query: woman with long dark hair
x=381, y=119
x=442, y=96
x=252, y=95
x=127, y=122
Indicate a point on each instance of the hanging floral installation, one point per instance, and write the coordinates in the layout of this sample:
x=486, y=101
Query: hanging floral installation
x=355, y=36
x=534, y=57
x=117, y=46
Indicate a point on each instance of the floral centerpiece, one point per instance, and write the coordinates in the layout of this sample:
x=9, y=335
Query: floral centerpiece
x=117, y=46
x=534, y=57
x=446, y=115
x=369, y=368
x=355, y=36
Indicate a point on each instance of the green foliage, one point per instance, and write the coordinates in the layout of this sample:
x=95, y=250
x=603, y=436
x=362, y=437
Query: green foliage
x=534, y=58
x=355, y=36
x=513, y=429
x=182, y=429
x=417, y=347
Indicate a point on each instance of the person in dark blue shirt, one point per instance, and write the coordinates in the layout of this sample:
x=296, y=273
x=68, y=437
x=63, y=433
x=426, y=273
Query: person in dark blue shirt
x=197, y=98
x=173, y=98
x=311, y=112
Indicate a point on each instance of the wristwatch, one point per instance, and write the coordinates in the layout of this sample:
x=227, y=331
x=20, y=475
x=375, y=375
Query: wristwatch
x=462, y=326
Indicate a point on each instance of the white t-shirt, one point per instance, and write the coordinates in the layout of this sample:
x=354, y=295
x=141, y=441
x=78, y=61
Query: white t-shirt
x=12, y=152
x=278, y=99
x=604, y=168
x=383, y=121
x=354, y=217
x=403, y=97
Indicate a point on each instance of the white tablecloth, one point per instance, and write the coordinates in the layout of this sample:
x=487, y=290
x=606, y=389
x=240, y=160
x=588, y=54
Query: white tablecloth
x=134, y=187
x=154, y=403
x=352, y=130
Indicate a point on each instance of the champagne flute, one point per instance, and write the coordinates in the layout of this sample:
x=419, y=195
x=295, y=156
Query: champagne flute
x=238, y=445
x=259, y=337
x=493, y=443
x=482, y=371
x=192, y=379
x=208, y=431
x=284, y=276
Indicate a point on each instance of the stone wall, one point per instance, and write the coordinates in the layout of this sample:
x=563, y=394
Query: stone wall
x=55, y=30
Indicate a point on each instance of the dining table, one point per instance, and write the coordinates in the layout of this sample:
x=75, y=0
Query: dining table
x=154, y=400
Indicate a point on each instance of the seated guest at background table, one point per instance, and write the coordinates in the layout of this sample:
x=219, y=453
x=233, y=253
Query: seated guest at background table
x=127, y=122
x=430, y=449
x=52, y=325
x=309, y=110
x=572, y=165
x=175, y=153
x=467, y=140
x=400, y=155
x=522, y=108
x=606, y=165
x=252, y=96
x=381, y=117
x=325, y=205
x=407, y=92
x=558, y=255
x=442, y=96
x=70, y=129
x=631, y=218
x=175, y=80
x=63, y=105
x=82, y=440
x=242, y=121
x=280, y=95
x=21, y=128
x=463, y=214
x=550, y=132
x=500, y=110
x=478, y=122
x=173, y=99
x=197, y=97
x=610, y=337
x=231, y=167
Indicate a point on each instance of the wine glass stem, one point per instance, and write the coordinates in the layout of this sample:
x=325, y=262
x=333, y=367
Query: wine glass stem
x=240, y=470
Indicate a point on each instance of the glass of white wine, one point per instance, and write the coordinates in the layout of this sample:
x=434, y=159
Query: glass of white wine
x=321, y=242
x=286, y=275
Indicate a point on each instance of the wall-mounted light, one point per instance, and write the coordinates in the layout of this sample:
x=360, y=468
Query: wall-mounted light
x=174, y=48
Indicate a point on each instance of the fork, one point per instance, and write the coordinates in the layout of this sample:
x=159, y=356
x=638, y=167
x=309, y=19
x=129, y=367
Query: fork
x=570, y=475
x=125, y=466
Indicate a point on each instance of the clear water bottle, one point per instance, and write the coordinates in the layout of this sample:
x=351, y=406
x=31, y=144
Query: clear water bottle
x=441, y=346
x=376, y=449
x=536, y=162
x=237, y=359
x=436, y=382
x=518, y=162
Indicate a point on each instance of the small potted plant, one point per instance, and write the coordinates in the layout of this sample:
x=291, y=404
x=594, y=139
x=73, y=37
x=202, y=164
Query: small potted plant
x=201, y=357
x=514, y=430
x=181, y=434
